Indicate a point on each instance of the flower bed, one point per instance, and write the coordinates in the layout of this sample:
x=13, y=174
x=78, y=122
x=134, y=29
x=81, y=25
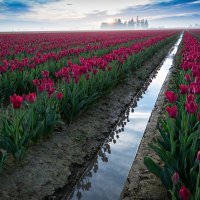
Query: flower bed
x=179, y=144
x=67, y=92
x=18, y=71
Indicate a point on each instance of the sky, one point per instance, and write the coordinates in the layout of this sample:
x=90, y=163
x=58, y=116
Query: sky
x=51, y=15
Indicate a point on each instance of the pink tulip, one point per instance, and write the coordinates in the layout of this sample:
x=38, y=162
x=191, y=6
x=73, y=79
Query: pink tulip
x=31, y=97
x=172, y=111
x=198, y=155
x=183, y=89
x=45, y=73
x=175, y=178
x=59, y=95
x=184, y=194
x=190, y=98
x=191, y=107
x=187, y=78
x=171, y=96
x=198, y=117
x=16, y=101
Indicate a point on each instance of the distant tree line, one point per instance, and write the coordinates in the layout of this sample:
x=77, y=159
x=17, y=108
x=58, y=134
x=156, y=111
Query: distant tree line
x=130, y=24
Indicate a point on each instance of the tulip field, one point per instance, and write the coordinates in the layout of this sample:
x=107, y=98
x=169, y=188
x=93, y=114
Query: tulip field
x=179, y=144
x=48, y=80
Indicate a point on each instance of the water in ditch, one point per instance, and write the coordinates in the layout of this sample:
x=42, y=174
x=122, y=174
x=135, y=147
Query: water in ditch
x=105, y=177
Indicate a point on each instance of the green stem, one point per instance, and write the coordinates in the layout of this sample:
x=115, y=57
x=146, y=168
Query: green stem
x=173, y=193
x=197, y=193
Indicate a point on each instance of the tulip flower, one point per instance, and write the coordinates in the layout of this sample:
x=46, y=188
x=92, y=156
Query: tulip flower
x=109, y=68
x=171, y=96
x=192, y=89
x=191, y=107
x=195, y=72
x=198, y=155
x=197, y=78
x=183, y=89
x=184, y=194
x=87, y=76
x=175, y=178
x=69, y=63
x=24, y=96
x=45, y=73
x=41, y=88
x=190, y=98
x=187, y=78
x=51, y=91
x=94, y=71
x=36, y=82
x=16, y=101
x=59, y=95
x=198, y=117
x=31, y=97
x=184, y=66
x=172, y=111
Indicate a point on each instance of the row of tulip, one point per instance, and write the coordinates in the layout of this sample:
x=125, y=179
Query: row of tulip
x=31, y=43
x=31, y=62
x=34, y=115
x=17, y=76
x=179, y=143
x=111, y=67
x=19, y=46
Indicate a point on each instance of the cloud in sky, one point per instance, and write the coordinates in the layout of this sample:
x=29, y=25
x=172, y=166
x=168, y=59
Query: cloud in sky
x=7, y=7
x=88, y=14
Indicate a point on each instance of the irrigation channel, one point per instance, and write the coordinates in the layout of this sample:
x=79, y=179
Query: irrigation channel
x=107, y=173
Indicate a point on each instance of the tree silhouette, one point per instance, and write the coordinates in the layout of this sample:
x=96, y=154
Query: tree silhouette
x=130, y=24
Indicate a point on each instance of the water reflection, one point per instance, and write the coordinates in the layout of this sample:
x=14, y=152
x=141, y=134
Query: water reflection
x=105, y=177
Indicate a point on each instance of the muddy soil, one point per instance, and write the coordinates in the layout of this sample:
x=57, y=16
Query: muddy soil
x=59, y=161
x=140, y=183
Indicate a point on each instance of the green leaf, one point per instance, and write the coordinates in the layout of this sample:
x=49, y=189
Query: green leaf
x=166, y=177
x=153, y=167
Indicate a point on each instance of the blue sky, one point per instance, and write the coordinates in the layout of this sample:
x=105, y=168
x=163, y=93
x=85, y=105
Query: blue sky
x=20, y=15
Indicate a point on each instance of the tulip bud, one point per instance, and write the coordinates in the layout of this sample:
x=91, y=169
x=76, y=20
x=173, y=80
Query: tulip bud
x=171, y=96
x=184, y=194
x=191, y=107
x=175, y=178
x=45, y=73
x=187, y=78
x=59, y=95
x=172, y=111
x=31, y=97
x=198, y=117
x=198, y=155
x=190, y=98
x=109, y=68
x=16, y=101
x=183, y=89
